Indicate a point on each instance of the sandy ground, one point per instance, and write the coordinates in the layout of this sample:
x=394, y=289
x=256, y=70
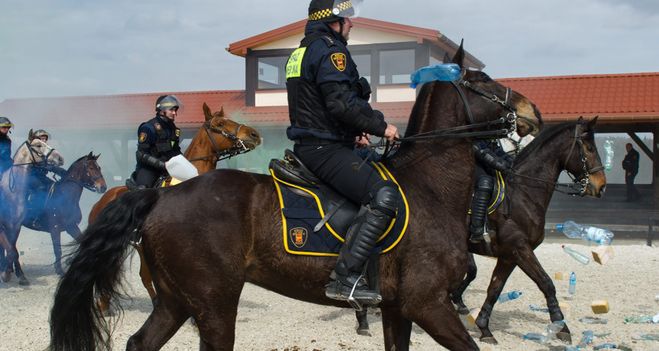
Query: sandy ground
x=270, y=322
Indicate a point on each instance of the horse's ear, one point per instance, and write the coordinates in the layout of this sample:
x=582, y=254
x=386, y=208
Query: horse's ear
x=592, y=123
x=459, y=56
x=207, y=112
x=97, y=156
x=30, y=134
x=221, y=113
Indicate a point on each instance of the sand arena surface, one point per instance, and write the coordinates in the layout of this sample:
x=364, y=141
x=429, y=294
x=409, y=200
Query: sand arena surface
x=267, y=321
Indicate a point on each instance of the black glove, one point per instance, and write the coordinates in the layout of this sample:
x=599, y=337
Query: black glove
x=150, y=161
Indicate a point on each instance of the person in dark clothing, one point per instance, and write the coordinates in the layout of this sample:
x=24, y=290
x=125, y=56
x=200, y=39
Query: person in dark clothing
x=490, y=157
x=40, y=184
x=630, y=165
x=5, y=145
x=158, y=141
x=329, y=112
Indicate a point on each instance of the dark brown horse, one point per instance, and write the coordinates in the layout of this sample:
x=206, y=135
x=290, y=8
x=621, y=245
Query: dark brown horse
x=519, y=223
x=206, y=237
x=61, y=211
x=218, y=138
x=13, y=187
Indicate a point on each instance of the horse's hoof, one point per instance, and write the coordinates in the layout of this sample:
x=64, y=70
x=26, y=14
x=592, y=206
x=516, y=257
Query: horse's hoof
x=23, y=281
x=489, y=340
x=364, y=332
x=6, y=277
x=462, y=309
x=565, y=337
x=59, y=272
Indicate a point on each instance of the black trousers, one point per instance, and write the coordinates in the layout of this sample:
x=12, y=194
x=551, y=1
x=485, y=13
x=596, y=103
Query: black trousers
x=632, y=192
x=339, y=166
x=146, y=176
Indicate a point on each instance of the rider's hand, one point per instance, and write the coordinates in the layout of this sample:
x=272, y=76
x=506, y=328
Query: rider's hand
x=391, y=132
x=362, y=141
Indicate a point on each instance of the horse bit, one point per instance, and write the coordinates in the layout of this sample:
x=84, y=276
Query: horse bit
x=583, y=180
x=237, y=148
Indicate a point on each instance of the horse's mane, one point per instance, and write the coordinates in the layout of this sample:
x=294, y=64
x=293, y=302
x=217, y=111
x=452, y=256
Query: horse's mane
x=545, y=135
x=420, y=108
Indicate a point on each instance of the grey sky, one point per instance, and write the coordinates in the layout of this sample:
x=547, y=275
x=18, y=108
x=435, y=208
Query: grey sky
x=76, y=47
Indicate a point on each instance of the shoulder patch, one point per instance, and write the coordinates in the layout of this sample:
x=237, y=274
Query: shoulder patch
x=157, y=125
x=178, y=132
x=142, y=137
x=339, y=61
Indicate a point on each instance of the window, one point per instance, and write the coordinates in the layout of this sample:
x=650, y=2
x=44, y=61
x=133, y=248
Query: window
x=272, y=72
x=396, y=66
x=363, y=62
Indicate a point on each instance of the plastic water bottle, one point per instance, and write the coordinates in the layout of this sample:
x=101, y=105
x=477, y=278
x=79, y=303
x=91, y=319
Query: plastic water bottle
x=446, y=72
x=586, y=339
x=652, y=337
x=574, y=230
x=593, y=320
x=538, y=308
x=511, y=295
x=605, y=346
x=549, y=334
x=581, y=258
x=608, y=154
x=638, y=319
x=572, y=287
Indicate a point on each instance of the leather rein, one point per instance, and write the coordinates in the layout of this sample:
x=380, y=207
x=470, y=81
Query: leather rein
x=237, y=148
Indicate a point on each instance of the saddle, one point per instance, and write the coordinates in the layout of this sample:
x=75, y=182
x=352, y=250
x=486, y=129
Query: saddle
x=315, y=218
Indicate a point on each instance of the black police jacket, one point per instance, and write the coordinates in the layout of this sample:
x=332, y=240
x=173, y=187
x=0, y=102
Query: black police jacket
x=158, y=141
x=5, y=153
x=326, y=97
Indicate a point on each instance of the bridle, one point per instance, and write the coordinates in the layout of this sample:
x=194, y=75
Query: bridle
x=90, y=182
x=237, y=148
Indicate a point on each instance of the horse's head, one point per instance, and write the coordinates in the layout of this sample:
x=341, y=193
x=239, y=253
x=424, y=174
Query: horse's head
x=227, y=134
x=37, y=151
x=87, y=173
x=583, y=161
x=487, y=97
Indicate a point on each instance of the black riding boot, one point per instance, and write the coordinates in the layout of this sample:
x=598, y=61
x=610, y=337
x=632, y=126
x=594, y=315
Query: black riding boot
x=348, y=282
x=479, y=203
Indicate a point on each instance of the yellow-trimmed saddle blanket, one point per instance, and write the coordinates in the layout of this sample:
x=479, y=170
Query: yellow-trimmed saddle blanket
x=309, y=230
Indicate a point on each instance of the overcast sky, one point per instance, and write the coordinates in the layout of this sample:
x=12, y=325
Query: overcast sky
x=78, y=47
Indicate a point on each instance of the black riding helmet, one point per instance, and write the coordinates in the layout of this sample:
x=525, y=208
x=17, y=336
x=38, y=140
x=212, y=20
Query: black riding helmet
x=333, y=10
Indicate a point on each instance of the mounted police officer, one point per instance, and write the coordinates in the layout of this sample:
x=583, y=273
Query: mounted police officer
x=329, y=112
x=40, y=184
x=5, y=145
x=158, y=141
x=490, y=157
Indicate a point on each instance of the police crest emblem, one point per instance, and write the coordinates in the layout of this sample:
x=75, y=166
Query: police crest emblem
x=339, y=60
x=142, y=137
x=178, y=132
x=298, y=236
x=158, y=126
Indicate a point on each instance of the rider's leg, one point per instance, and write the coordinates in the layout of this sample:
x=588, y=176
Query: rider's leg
x=479, y=203
x=146, y=177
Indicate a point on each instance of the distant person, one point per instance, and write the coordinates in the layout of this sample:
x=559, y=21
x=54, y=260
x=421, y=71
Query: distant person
x=5, y=144
x=40, y=184
x=157, y=142
x=630, y=165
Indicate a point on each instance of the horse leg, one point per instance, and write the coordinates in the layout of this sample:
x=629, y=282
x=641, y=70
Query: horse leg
x=397, y=330
x=57, y=249
x=362, y=322
x=163, y=322
x=528, y=262
x=501, y=273
x=5, y=274
x=74, y=231
x=456, y=296
x=439, y=319
x=217, y=326
x=145, y=274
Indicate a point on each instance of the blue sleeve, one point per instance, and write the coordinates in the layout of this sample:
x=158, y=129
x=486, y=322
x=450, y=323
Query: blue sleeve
x=146, y=135
x=333, y=66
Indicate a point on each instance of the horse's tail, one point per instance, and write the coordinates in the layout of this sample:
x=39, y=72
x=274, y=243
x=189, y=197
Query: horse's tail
x=95, y=270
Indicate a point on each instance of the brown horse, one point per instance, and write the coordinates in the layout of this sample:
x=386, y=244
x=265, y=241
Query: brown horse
x=13, y=187
x=520, y=221
x=218, y=138
x=61, y=211
x=221, y=236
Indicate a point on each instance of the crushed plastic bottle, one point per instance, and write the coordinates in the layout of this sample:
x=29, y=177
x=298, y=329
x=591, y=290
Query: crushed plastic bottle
x=593, y=320
x=574, y=230
x=572, y=287
x=581, y=258
x=446, y=72
x=511, y=295
x=549, y=334
x=612, y=346
x=642, y=319
x=538, y=308
x=651, y=337
x=608, y=154
x=586, y=339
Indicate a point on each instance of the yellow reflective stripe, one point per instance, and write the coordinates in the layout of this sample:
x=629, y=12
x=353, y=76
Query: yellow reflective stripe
x=294, y=64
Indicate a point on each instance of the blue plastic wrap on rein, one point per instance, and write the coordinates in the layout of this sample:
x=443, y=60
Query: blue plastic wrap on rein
x=446, y=72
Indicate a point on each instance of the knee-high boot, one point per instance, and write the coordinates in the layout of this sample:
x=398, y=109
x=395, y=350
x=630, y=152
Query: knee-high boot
x=479, y=203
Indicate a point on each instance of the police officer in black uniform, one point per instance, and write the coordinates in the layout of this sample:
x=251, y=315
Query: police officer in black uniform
x=329, y=109
x=158, y=141
x=490, y=157
x=5, y=145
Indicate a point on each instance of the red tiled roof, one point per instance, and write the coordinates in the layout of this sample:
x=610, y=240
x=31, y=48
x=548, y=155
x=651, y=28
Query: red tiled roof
x=616, y=98
x=432, y=36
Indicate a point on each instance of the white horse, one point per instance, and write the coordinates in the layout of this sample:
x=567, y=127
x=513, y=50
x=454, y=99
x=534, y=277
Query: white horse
x=13, y=187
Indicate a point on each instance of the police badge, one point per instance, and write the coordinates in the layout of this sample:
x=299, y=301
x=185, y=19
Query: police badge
x=298, y=236
x=339, y=61
x=142, y=137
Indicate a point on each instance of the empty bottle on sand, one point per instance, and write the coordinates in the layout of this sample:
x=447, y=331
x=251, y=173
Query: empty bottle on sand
x=446, y=72
x=572, y=286
x=581, y=258
x=593, y=320
x=651, y=337
x=511, y=295
x=574, y=230
x=608, y=154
